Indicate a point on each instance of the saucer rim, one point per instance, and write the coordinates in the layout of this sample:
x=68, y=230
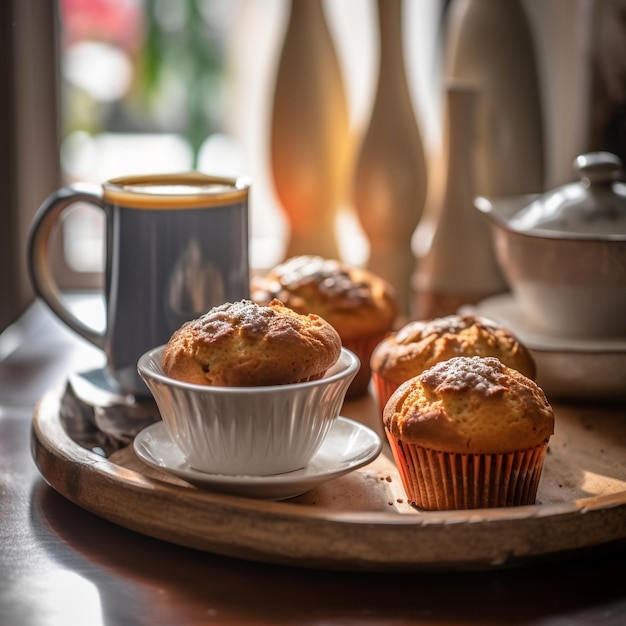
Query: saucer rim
x=539, y=340
x=292, y=483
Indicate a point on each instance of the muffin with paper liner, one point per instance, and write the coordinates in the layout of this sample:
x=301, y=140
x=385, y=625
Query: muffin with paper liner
x=469, y=433
x=361, y=306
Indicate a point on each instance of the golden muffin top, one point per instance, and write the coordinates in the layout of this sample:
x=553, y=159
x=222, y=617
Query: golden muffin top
x=247, y=344
x=473, y=405
x=353, y=300
x=419, y=345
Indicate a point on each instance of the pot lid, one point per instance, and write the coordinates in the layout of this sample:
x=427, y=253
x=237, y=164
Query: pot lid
x=595, y=205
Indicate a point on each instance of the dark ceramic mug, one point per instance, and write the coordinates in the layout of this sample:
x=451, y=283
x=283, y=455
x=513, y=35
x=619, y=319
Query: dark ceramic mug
x=176, y=245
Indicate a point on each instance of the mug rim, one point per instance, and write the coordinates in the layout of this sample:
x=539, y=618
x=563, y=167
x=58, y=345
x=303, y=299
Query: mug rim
x=218, y=190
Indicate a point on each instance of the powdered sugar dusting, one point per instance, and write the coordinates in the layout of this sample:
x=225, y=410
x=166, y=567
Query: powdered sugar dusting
x=447, y=325
x=224, y=319
x=328, y=274
x=485, y=375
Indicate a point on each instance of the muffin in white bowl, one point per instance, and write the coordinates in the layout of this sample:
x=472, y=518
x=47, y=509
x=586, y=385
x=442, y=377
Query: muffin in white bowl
x=254, y=429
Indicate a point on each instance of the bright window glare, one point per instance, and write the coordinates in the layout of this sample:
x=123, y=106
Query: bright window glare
x=68, y=598
x=100, y=157
x=100, y=69
x=74, y=601
x=221, y=155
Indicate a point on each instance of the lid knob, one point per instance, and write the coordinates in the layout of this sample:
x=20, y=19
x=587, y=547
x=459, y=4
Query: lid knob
x=596, y=168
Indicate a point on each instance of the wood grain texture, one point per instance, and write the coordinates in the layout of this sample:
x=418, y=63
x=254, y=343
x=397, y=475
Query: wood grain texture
x=360, y=521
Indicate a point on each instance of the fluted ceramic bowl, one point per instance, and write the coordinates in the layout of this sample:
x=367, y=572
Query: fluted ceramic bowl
x=254, y=431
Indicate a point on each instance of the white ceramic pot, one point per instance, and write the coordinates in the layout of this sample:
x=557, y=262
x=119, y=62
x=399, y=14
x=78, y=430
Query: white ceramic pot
x=563, y=253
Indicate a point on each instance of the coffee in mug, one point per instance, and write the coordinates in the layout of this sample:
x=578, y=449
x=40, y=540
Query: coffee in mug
x=176, y=245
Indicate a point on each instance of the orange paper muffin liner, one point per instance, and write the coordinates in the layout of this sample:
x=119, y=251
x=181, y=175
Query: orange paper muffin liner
x=384, y=389
x=437, y=481
x=363, y=348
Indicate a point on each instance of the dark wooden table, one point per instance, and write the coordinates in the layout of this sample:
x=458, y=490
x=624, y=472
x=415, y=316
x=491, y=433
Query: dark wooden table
x=62, y=565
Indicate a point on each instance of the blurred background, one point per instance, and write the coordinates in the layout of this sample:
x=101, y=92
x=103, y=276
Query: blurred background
x=92, y=89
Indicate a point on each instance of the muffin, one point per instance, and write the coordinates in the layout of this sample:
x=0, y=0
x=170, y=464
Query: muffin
x=421, y=344
x=243, y=344
x=361, y=306
x=469, y=433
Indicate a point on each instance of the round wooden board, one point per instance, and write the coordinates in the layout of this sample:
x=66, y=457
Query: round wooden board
x=359, y=522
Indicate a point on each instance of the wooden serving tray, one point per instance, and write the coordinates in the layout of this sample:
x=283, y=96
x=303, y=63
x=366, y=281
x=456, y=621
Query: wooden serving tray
x=360, y=521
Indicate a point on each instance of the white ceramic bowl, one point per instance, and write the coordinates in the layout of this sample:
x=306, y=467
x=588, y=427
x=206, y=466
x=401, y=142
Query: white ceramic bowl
x=255, y=431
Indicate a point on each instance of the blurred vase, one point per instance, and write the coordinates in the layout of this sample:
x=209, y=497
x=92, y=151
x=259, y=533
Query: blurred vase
x=606, y=118
x=389, y=184
x=459, y=267
x=490, y=46
x=309, y=132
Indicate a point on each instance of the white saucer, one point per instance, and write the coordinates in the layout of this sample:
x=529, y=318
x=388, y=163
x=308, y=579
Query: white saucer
x=568, y=367
x=348, y=446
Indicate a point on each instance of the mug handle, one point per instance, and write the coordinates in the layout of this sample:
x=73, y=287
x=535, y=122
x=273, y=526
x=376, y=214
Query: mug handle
x=39, y=267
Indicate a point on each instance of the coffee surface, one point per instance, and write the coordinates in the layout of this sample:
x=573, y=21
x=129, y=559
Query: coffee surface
x=173, y=191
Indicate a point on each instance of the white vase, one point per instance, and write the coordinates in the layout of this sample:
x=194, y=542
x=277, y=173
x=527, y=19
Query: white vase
x=309, y=132
x=459, y=268
x=489, y=46
x=389, y=184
